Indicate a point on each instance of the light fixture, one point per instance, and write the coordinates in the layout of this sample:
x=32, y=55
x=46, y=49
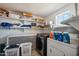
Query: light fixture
x=50, y=22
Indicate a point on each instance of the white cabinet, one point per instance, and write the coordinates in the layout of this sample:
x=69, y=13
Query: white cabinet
x=55, y=52
x=57, y=48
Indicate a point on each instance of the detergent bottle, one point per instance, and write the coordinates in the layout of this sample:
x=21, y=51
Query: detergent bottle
x=66, y=37
x=55, y=35
x=51, y=35
x=60, y=36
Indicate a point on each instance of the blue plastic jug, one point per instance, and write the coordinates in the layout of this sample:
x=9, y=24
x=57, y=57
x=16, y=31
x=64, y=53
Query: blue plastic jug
x=60, y=36
x=66, y=38
x=55, y=35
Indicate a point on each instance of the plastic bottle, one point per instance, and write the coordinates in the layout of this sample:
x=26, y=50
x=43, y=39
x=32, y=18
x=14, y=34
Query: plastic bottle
x=66, y=37
x=60, y=36
x=55, y=35
x=51, y=35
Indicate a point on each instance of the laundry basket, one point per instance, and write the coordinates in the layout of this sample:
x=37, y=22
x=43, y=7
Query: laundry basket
x=26, y=49
x=12, y=51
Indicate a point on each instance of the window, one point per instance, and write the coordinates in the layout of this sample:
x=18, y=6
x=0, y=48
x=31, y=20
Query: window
x=63, y=16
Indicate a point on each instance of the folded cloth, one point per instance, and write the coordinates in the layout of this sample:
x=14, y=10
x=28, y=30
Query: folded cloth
x=6, y=24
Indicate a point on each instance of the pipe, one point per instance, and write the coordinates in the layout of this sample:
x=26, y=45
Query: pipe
x=76, y=9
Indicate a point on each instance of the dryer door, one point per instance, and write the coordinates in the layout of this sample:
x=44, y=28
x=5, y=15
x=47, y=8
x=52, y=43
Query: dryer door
x=39, y=43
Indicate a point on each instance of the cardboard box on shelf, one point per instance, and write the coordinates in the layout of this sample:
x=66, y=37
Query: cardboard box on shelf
x=4, y=12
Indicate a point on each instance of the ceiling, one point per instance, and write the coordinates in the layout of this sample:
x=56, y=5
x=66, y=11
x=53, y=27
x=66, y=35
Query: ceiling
x=39, y=9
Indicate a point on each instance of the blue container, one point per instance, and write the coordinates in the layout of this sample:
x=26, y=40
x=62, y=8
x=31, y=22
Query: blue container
x=60, y=36
x=66, y=38
x=6, y=25
x=55, y=36
x=26, y=26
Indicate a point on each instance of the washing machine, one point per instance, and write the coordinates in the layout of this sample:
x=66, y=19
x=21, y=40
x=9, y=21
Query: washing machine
x=41, y=44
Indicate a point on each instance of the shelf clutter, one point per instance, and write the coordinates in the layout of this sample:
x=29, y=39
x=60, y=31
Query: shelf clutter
x=23, y=17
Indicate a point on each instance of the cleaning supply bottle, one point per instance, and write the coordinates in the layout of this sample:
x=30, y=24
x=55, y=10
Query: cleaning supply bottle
x=60, y=36
x=55, y=35
x=51, y=35
x=66, y=37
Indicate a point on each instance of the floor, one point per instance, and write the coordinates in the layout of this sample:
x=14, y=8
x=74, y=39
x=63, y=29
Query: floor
x=35, y=53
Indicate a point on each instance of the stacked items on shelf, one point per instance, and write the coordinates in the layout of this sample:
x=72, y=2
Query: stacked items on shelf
x=10, y=14
x=26, y=25
x=37, y=22
x=28, y=14
x=14, y=15
x=4, y=12
x=14, y=25
x=41, y=22
x=6, y=25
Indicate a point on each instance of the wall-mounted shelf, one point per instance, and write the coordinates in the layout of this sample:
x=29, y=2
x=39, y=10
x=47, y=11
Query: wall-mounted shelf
x=70, y=20
x=34, y=28
x=74, y=22
x=65, y=28
x=60, y=26
x=21, y=19
x=8, y=18
x=16, y=28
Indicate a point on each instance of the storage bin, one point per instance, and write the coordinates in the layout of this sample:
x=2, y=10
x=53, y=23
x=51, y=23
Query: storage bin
x=26, y=49
x=2, y=46
x=12, y=50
